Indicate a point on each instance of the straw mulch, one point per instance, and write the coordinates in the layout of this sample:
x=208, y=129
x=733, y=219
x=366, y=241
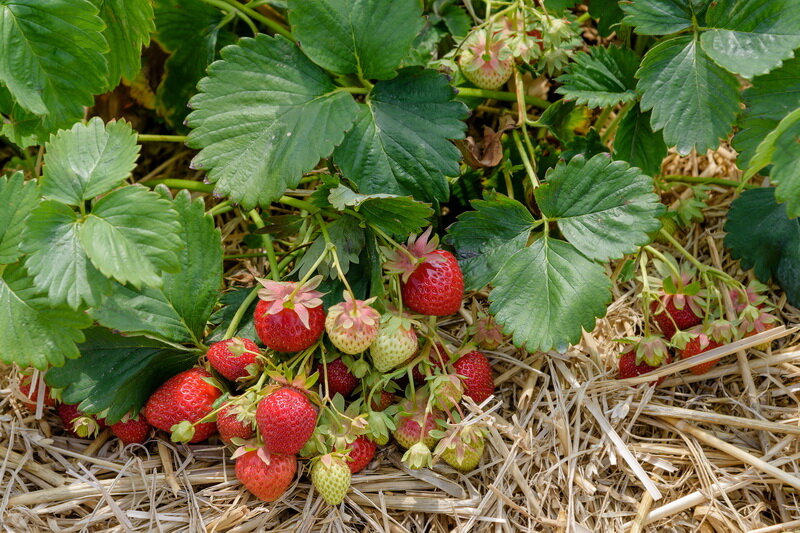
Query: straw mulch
x=570, y=448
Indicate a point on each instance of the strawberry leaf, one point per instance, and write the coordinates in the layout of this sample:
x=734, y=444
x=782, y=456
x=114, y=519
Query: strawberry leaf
x=545, y=293
x=347, y=236
x=603, y=207
x=88, y=160
x=637, y=143
x=608, y=12
x=763, y=110
x=53, y=59
x=751, y=37
x=32, y=332
x=191, y=31
x=396, y=215
x=231, y=301
x=117, y=373
x=562, y=118
x=179, y=309
x=399, y=143
x=264, y=115
x=764, y=238
x=17, y=199
x=693, y=99
x=130, y=236
x=661, y=17
x=484, y=239
x=601, y=77
x=364, y=37
x=128, y=27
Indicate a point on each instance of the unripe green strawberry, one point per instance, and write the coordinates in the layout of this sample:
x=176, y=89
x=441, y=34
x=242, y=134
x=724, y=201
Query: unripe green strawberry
x=331, y=477
x=395, y=343
x=487, y=65
x=463, y=448
x=352, y=325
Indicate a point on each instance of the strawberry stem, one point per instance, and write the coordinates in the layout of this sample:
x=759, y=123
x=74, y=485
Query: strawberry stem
x=335, y=256
x=525, y=161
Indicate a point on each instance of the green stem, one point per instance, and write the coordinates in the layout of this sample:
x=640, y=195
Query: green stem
x=334, y=255
x=146, y=137
x=501, y=95
x=652, y=251
x=266, y=239
x=222, y=207
x=612, y=128
x=684, y=252
x=354, y=90
x=189, y=185
x=583, y=18
x=601, y=120
x=237, y=318
x=708, y=181
x=525, y=161
x=266, y=21
x=299, y=204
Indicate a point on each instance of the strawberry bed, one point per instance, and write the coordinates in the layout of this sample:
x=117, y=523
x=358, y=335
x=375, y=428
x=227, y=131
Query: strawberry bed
x=399, y=265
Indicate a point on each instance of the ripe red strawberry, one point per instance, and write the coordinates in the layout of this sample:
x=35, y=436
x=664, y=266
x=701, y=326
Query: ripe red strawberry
x=680, y=304
x=645, y=356
x=432, y=282
x=438, y=358
x=486, y=64
x=185, y=396
x=289, y=318
x=268, y=482
x=476, y=375
x=362, y=451
x=339, y=377
x=68, y=413
x=77, y=423
x=381, y=403
x=671, y=319
x=229, y=425
x=286, y=419
x=697, y=346
x=415, y=424
x=352, y=325
x=132, y=431
x=231, y=357
x=25, y=389
x=628, y=368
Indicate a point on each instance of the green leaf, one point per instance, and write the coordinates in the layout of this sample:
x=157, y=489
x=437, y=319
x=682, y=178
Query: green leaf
x=264, y=115
x=693, y=99
x=764, y=238
x=364, y=37
x=484, y=239
x=22, y=127
x=609, y=13
x=559, y=5
x=33, y=333
x=88, y=160
x=117, y=373
x=601, y=77
x=562, y=118
x=231, y=301
x=545, y=293
x=396, y=215
x=603, y=207
x=658, y=17
x=764, y=110
x=178, y=311
x=17, y=199
x=58, y=260
x=131, y=236
x=191, y=31
x=457, y=21
x=751, y=37
x=53, y=61
x=399, y=142
x=637, y=143
x=347, y=236
x=128, y=27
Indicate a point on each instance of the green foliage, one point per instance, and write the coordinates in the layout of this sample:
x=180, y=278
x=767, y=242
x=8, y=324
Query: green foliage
x=562, y=118
x=265, y=115
x=399, y=142
x=17, y=199
x=129, y=24
x=692, y=99
x=764, y=238
x=117, y=373
x=396, y=215
x=661, y=17
x=601, y=77
x=364, y=37
x=609, y=13
x=637, y=143
x=52, y=63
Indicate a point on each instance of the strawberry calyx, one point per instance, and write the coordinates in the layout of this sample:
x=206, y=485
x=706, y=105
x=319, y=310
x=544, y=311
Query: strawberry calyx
x=291, y=295
x=418, y=456
x=461, y=439
x=651, y=350
x=487, y=52
x=418, y=249
x=355, y=315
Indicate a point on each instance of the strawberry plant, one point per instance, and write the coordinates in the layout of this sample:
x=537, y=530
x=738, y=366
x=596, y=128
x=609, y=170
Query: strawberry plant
x=383, y=160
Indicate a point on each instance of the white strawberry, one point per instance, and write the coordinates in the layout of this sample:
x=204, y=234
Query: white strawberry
x=395, y=343
x=486, y=64
x=352, y=325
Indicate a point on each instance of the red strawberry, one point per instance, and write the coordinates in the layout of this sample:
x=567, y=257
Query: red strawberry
x=362, y=450
x=229, y=425
x=415, y=424
x=289, y=318
x=670, y=316
x=648, y=354
x=386, y=399
x=339, y=377
x=432, y=283
x=286, y=419
x=680, y=305
x=132, y=431
x=697, y=346
x=438, y=358
x=25, y=389
x=476, y=374
x=266, y=481
x=77, y=423
x=231, y=357
x=628, y=368
x=185, y=396
x=68, y=412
